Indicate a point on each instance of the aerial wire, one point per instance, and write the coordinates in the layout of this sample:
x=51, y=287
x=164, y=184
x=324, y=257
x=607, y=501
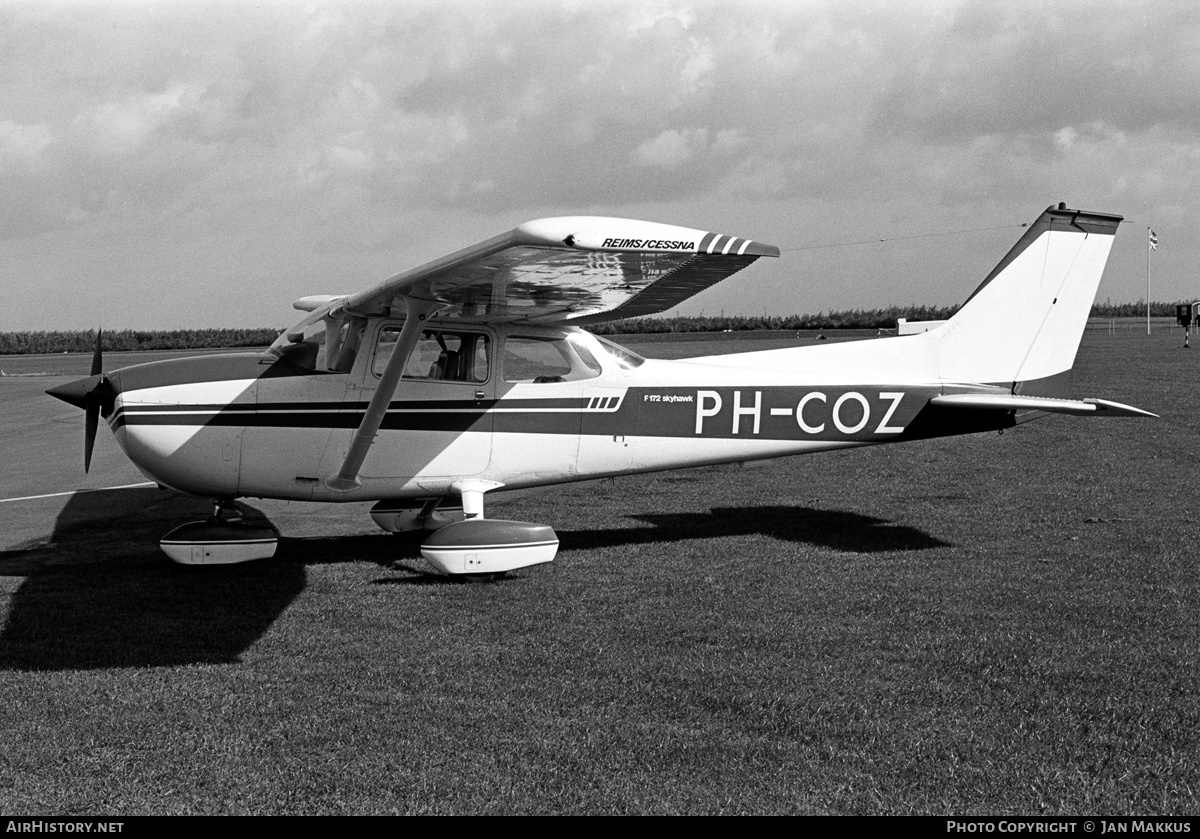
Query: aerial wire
x=903, y=238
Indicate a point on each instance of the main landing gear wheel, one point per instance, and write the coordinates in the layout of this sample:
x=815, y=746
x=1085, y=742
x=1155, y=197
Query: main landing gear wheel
x=489, y=547
x=484, y=578
x=482, y=549
x=225, y=538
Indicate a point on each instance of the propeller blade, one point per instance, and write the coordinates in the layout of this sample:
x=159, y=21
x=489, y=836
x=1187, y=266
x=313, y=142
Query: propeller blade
x=91, y=421
x=97, y=356
x=95, y=395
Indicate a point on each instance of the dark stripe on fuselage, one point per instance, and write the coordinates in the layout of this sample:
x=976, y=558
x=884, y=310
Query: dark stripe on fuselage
x=557, y=415
x=434, y=421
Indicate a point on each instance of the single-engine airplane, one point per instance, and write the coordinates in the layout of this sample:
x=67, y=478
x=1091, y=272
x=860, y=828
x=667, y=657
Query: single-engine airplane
x=472, y=373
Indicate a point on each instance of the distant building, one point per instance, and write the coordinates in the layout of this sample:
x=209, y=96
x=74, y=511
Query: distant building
x=915, y=327
x=1187, y=314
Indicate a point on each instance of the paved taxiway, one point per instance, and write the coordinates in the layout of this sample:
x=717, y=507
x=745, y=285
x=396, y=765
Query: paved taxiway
x=45, y=494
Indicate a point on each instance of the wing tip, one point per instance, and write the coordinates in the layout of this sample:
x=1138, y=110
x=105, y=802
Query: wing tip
x=719, y=244
x=315, y=301
x=761, y=249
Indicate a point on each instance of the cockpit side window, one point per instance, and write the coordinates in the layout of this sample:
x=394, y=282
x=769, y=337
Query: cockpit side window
x=438, y=356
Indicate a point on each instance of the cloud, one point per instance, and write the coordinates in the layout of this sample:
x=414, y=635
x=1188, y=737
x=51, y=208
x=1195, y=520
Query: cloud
x=23, y=144
x=1029, y=69
x=675, y=147
x=358, y=124
x=129, y=125
x=672, y=148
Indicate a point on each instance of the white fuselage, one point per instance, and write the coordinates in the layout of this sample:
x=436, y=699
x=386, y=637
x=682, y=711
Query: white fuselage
x=250, y=425
x=478, y=394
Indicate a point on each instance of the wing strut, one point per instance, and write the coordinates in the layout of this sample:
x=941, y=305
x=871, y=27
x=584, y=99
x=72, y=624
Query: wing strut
x=418, y=312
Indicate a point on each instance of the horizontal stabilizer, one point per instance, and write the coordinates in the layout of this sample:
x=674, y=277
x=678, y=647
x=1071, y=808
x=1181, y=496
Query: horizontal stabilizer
x=1012, y=402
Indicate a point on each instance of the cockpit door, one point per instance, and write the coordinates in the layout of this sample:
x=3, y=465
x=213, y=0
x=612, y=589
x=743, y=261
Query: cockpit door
x=299, y=404
x=439, y=423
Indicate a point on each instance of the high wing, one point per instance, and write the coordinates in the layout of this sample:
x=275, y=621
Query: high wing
x=577, y=270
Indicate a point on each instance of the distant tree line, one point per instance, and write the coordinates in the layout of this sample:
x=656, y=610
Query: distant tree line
x=1133, y=310
x=130, y=340
x=851, y=319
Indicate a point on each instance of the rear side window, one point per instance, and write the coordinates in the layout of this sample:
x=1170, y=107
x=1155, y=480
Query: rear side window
x=547, y=360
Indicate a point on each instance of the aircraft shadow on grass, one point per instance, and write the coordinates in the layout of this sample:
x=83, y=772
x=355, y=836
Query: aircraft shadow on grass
x=834, y=529
x=99, y=594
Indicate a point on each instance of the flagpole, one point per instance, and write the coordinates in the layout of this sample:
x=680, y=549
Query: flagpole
x=1149, y=234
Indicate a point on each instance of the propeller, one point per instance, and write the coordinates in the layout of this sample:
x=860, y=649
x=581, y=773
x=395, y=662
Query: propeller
x=95, y=395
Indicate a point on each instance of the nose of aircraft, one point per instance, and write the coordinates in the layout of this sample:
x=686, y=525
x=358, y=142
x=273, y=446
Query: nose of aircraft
x=95, y=394
x=78, y=392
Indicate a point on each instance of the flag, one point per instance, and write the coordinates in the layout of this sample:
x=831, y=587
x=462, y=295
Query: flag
x=1153, y=240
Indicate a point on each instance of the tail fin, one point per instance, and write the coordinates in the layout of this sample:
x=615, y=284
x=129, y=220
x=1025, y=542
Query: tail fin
x=1022, y=326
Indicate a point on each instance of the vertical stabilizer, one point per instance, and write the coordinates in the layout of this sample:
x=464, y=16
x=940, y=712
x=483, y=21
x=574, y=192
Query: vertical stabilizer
x=1023, y=324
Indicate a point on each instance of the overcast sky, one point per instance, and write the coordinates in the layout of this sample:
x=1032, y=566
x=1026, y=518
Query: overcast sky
x=202, y=164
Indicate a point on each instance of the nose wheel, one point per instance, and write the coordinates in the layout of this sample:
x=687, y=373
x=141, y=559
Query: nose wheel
x=224, y=538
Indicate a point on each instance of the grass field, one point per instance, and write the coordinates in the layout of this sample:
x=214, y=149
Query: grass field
x=995, y=624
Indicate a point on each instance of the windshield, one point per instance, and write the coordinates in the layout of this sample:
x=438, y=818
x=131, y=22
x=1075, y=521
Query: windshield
x=322, y=342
